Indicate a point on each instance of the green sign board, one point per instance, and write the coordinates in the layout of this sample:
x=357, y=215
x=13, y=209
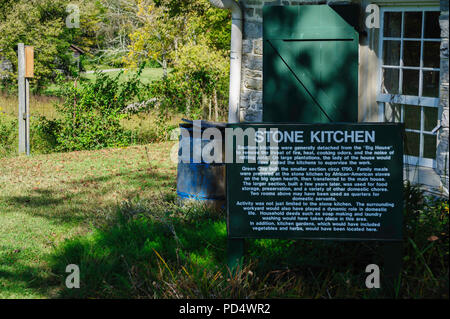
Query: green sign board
x=317, y=181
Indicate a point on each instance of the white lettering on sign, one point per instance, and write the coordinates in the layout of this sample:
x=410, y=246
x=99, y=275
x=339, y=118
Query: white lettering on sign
x=316, y=136
x=279, y=136
x=342, y=136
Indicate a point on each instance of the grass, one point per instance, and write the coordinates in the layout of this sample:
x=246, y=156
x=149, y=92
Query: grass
x=148, y=75
x=44, y=104
x=113, y=212
x=39, y=106
x=46, y=199
x=144, y=124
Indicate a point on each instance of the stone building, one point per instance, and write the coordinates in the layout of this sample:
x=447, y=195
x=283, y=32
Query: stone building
x=402, y=76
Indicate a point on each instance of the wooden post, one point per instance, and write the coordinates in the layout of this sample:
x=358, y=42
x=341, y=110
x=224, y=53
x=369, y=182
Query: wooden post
x=26, y=71
x=235, y=254
x=22, y=99
x=392, y=255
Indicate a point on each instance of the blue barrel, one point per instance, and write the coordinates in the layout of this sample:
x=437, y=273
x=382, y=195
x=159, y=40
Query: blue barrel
x=201, y=182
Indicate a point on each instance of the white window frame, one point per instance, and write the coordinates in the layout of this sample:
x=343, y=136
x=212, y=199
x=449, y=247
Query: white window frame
x=383, y=98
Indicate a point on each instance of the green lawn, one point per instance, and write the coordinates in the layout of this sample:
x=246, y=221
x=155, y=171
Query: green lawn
x=113, y=213
x=148, y=74
x=46, y=199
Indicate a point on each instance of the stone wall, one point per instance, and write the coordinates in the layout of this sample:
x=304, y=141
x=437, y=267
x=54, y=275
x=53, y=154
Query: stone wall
x=442, y=149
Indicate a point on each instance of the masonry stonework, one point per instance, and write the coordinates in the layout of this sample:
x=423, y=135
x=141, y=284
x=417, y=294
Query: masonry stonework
x=443, y=134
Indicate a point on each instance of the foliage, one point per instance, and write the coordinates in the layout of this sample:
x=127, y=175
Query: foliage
x=197, y=86
x=43, y=135
x=8, y=135
x=156, y=38
x=39, y=23
x=194, y=41
x=158, y=249
x=109, y=24
x=92, y=112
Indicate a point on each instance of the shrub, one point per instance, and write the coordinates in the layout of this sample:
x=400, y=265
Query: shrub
x=91, y=113
x=44, y=138
x=8, y=135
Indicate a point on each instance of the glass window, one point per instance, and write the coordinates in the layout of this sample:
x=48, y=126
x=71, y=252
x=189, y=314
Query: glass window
x=431, y=54
x=412, y=117
x=430, y=118
x=413, y=25
x=432, y=28
x=410, y=82
x=391, y=78
x=410, y=53
x=412, y=144
x=429, y=146
x=391, y=52
x=392, y=24
x=430, y=84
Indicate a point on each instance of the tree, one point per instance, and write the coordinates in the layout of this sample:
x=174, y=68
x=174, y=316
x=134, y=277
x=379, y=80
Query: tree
x=157, y=37
x=42, y=24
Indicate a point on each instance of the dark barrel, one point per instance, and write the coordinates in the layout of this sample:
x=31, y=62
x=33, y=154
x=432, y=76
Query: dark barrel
x=203, y=182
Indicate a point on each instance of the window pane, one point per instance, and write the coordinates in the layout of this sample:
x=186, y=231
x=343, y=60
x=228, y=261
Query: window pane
x=431, y=54
x=392, y=112
x=391, y=53
x=413, y=25
x=412, y=144
x=432, y=28
x=390, y=81
x=429, y=146
x=430, y=83
x=430, y=115
x=411, y=53
x=412, y=117
x=392, y=24
x=410, y=82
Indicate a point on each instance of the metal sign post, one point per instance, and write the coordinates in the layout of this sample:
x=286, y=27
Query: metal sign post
x=26, y=71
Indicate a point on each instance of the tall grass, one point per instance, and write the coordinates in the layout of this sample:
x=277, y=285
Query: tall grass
x=147, y=126
x=39, y=105
x=158, y=249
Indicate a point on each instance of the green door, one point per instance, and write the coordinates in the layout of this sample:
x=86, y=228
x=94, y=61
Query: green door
x=310, y=65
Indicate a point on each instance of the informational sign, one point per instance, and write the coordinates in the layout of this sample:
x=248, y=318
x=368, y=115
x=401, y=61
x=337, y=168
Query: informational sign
x=318, y=181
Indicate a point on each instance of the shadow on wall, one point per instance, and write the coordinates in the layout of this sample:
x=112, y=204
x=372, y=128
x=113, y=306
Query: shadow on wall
x=310, y=66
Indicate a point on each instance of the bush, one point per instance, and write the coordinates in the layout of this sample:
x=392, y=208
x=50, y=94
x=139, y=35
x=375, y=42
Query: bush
x=91, y=113
x=8, y=135
x=43, y=135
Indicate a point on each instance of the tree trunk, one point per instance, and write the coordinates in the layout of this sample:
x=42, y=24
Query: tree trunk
x=210, y=110
x=164, y=67
x=188, y=105
x=216, y=106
